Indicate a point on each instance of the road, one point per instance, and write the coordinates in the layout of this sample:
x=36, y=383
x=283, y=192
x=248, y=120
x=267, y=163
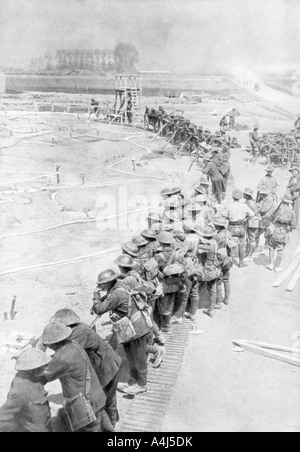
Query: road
x=219, y=389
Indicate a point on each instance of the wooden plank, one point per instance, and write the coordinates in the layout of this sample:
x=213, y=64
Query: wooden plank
x=275, y=347
x=286, y=273
x=268, y=354
x=294, y=280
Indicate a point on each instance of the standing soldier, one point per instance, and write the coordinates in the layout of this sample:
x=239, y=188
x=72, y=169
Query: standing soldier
x=171, y=281
x=254, y=139
x=212, y=171
x=284, y=222
x=252, y=225
x=105, y=361
x=225, y=242
x=294, y=189
x=268, y=183
x=27, y=408
x=266, y=208
x=124, y=310
x=237, y=215
x=207, y=249
x=71, y=365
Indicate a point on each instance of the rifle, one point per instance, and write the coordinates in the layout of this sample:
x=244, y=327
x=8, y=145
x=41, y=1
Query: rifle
x=272, y=217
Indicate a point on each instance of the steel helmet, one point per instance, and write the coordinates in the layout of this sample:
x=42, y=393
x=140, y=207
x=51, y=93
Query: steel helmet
x=165, y=191
x=165, y=238
x=55, y=333
x=124, y=261
x=149, y=234
x=249, y=192
x=237, y=194
x=175, y=190
x=107, y=276
x=256, y=126
x=130, y=248
x=139, y=240
x=264, y=191
x=154, y=216
x=65, y=316
x=207, y=232
x=287, y=198
x=31, y=358
x=190, y=225
x=172, y=215
x=270, y=169
x=171, y=204
x=201, y=190
x=194, y=208
x=220, y=221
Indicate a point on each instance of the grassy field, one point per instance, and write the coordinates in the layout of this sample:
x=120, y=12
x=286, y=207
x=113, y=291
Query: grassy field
x=153, y=85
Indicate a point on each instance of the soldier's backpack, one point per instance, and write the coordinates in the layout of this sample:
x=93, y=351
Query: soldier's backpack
x=172, y=274
x=151, y=269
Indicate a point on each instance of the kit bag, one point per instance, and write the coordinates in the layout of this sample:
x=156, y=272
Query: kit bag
x=151, y=269
x=172, y=272
x=79, y=409
x=137, y=323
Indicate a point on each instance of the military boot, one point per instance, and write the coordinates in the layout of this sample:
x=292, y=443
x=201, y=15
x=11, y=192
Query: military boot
x=227, y=293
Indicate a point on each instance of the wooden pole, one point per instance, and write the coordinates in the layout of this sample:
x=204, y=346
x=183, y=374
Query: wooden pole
x=268, y=354
x=286, y=273
x=12, y=308
x=294, y=280
x=161, y=129
x=180, y=149
x=170, y=139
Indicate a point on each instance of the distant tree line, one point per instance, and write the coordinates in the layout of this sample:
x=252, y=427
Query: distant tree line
x=123, y=58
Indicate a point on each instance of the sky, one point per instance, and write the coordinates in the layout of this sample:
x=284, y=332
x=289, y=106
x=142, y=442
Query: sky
x=175, y=35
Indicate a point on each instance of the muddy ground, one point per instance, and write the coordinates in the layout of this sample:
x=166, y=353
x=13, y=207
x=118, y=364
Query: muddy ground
x=31, y=201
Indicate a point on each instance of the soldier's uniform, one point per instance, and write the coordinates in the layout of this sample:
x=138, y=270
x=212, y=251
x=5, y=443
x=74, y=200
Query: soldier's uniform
x=294, y=189
x=106, y=362
x=117, y=301
x=268, y=183
x=284, y=223
x=237, y=214
x=254, y=140
x=218, y=186
x=207, y=249
x=27, y=408
x=69, y=364
x=253, y=224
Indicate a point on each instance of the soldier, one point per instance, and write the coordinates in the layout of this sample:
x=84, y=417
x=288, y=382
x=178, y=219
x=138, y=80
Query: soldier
x=253, y=224
x=266, y=208
x=237, y=215
x=121, y=304
x=212, y=171
x=171, y=283
x=294, y=189
x=254, y=139
x=71, y=365
x=268, y=183
x=105, y=361
x=284, y=222
x=190, y=298
x=151, y=237
x=225, y=242
x=132, y=279
x=146, y=117
x=27, y=408
x=207, y=249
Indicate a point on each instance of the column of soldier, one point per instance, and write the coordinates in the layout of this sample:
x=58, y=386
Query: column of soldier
x=187, y=250
x=278, y=149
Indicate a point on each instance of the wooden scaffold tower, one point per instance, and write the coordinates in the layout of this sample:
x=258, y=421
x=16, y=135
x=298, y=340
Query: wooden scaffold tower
x=128, y=90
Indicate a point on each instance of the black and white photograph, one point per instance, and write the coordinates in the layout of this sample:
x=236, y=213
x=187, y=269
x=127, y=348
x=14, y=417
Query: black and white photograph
x=149, y=225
